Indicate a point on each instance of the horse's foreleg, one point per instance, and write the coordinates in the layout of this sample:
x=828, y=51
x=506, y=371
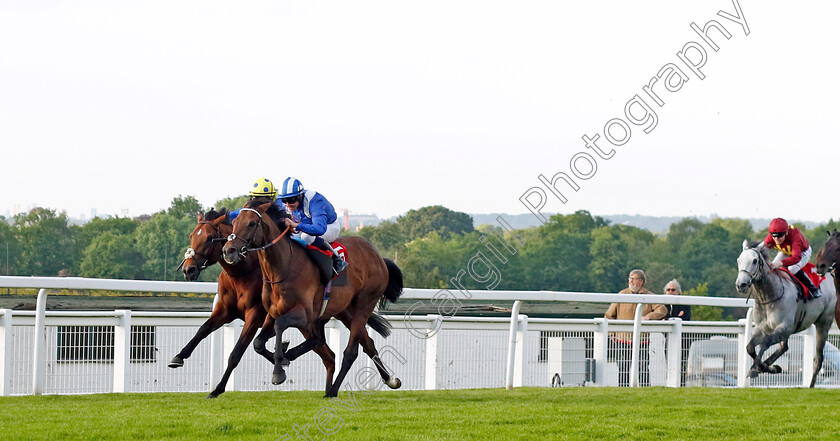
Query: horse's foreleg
x=313, y=340
x=779, y=335
x=296, y=318
x=263, y=337
x=252, y=320
x=754, y=341
x=772, y=368
x=220, y=316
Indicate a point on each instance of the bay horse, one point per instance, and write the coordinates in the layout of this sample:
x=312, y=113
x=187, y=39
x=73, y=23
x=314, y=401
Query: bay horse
x=827, y=260
x=778, y=312
x=294, y=293
x=240, y=297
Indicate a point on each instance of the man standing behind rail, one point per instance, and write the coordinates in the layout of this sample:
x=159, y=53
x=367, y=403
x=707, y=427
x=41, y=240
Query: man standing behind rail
x=621, y=343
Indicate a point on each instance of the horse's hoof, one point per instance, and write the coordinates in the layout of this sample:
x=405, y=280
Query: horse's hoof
x=331, y=394
x=278, y=378
x=176, y=362
x=394, y=383
x=285, y=362
x=753, y=373
x=213, y=394
x=775, y=369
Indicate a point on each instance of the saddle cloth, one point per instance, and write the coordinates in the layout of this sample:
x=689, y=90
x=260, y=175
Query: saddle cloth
x=802, y=291
x=323, y=260
x=811, y=270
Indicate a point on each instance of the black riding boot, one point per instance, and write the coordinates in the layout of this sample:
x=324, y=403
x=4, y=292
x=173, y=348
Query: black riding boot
x=815, y=291
x=338, y=263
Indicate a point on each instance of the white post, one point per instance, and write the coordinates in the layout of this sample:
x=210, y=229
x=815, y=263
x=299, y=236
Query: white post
x=122, y=350
x=599, y=351
x=231, y=336
x=520, y=364
x=744, y=359
x=334, y=336
x=674, y=355
x=216, y=351
x=809, y=353
x=511, y=357
x=432, y=352
x=39, y=353
x=5, y=352
x=637, y=333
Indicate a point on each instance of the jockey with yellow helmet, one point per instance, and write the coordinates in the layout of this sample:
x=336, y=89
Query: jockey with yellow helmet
x=317, y=222
x=794, y=251
x=262, y=188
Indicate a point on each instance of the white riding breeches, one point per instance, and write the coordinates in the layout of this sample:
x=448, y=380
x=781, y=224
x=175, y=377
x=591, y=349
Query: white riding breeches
x=806, y=256
x=333, y=230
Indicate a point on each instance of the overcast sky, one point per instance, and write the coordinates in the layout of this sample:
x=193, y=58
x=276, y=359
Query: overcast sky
x=387, y=106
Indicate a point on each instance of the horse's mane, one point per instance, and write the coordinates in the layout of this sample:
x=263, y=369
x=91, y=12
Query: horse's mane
x=213, y=214
x=275, y=213
x=764, y=251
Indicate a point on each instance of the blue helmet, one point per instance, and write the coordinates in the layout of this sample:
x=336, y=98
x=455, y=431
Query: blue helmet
x=291, y=188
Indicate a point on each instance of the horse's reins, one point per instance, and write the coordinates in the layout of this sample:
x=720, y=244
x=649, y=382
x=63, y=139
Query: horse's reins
x=757, y=277
x=232, y=236
x=276, y=239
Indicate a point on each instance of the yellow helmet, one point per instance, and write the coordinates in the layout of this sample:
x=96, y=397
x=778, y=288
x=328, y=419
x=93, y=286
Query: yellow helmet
x=263, y=187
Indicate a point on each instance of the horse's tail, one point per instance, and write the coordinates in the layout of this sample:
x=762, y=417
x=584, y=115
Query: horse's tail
x=395, y=284
x=379, y=324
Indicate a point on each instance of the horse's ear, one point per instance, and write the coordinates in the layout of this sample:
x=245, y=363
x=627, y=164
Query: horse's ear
x=828, y=232
x=200, y=216
x=264, y=207
x=745, y=245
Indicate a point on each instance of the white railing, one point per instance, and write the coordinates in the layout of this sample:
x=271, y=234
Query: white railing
x=127, y=351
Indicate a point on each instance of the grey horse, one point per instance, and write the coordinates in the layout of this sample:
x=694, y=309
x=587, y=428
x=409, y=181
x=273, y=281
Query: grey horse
x=778, y=312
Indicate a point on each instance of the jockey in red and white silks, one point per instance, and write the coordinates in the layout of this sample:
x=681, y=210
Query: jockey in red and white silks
x=794, y=251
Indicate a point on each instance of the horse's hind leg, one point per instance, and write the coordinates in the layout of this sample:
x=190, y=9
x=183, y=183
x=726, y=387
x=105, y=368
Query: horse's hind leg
x=822, y=336
x=350, y=354
x=370, y=350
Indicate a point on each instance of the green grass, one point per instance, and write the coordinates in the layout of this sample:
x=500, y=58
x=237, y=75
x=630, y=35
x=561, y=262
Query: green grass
x=521, y=414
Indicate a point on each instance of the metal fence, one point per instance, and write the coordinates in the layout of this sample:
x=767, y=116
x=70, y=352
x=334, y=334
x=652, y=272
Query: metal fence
x=77, y=352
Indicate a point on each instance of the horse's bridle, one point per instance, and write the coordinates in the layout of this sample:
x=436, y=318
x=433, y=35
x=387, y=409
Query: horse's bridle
x=191, y=253
x=759, y=273
x=245, y=249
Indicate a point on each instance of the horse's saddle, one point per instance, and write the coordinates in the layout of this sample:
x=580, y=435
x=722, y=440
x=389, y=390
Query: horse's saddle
x=323, y=260
x=802, y=291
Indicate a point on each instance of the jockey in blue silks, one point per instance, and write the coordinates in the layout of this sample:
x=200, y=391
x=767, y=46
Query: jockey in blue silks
x=317, y=223
x=261, y=188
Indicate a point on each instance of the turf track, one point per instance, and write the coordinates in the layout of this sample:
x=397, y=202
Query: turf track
x=522, y=414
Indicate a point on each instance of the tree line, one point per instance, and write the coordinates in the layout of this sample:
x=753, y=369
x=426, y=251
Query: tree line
x=572, y=252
